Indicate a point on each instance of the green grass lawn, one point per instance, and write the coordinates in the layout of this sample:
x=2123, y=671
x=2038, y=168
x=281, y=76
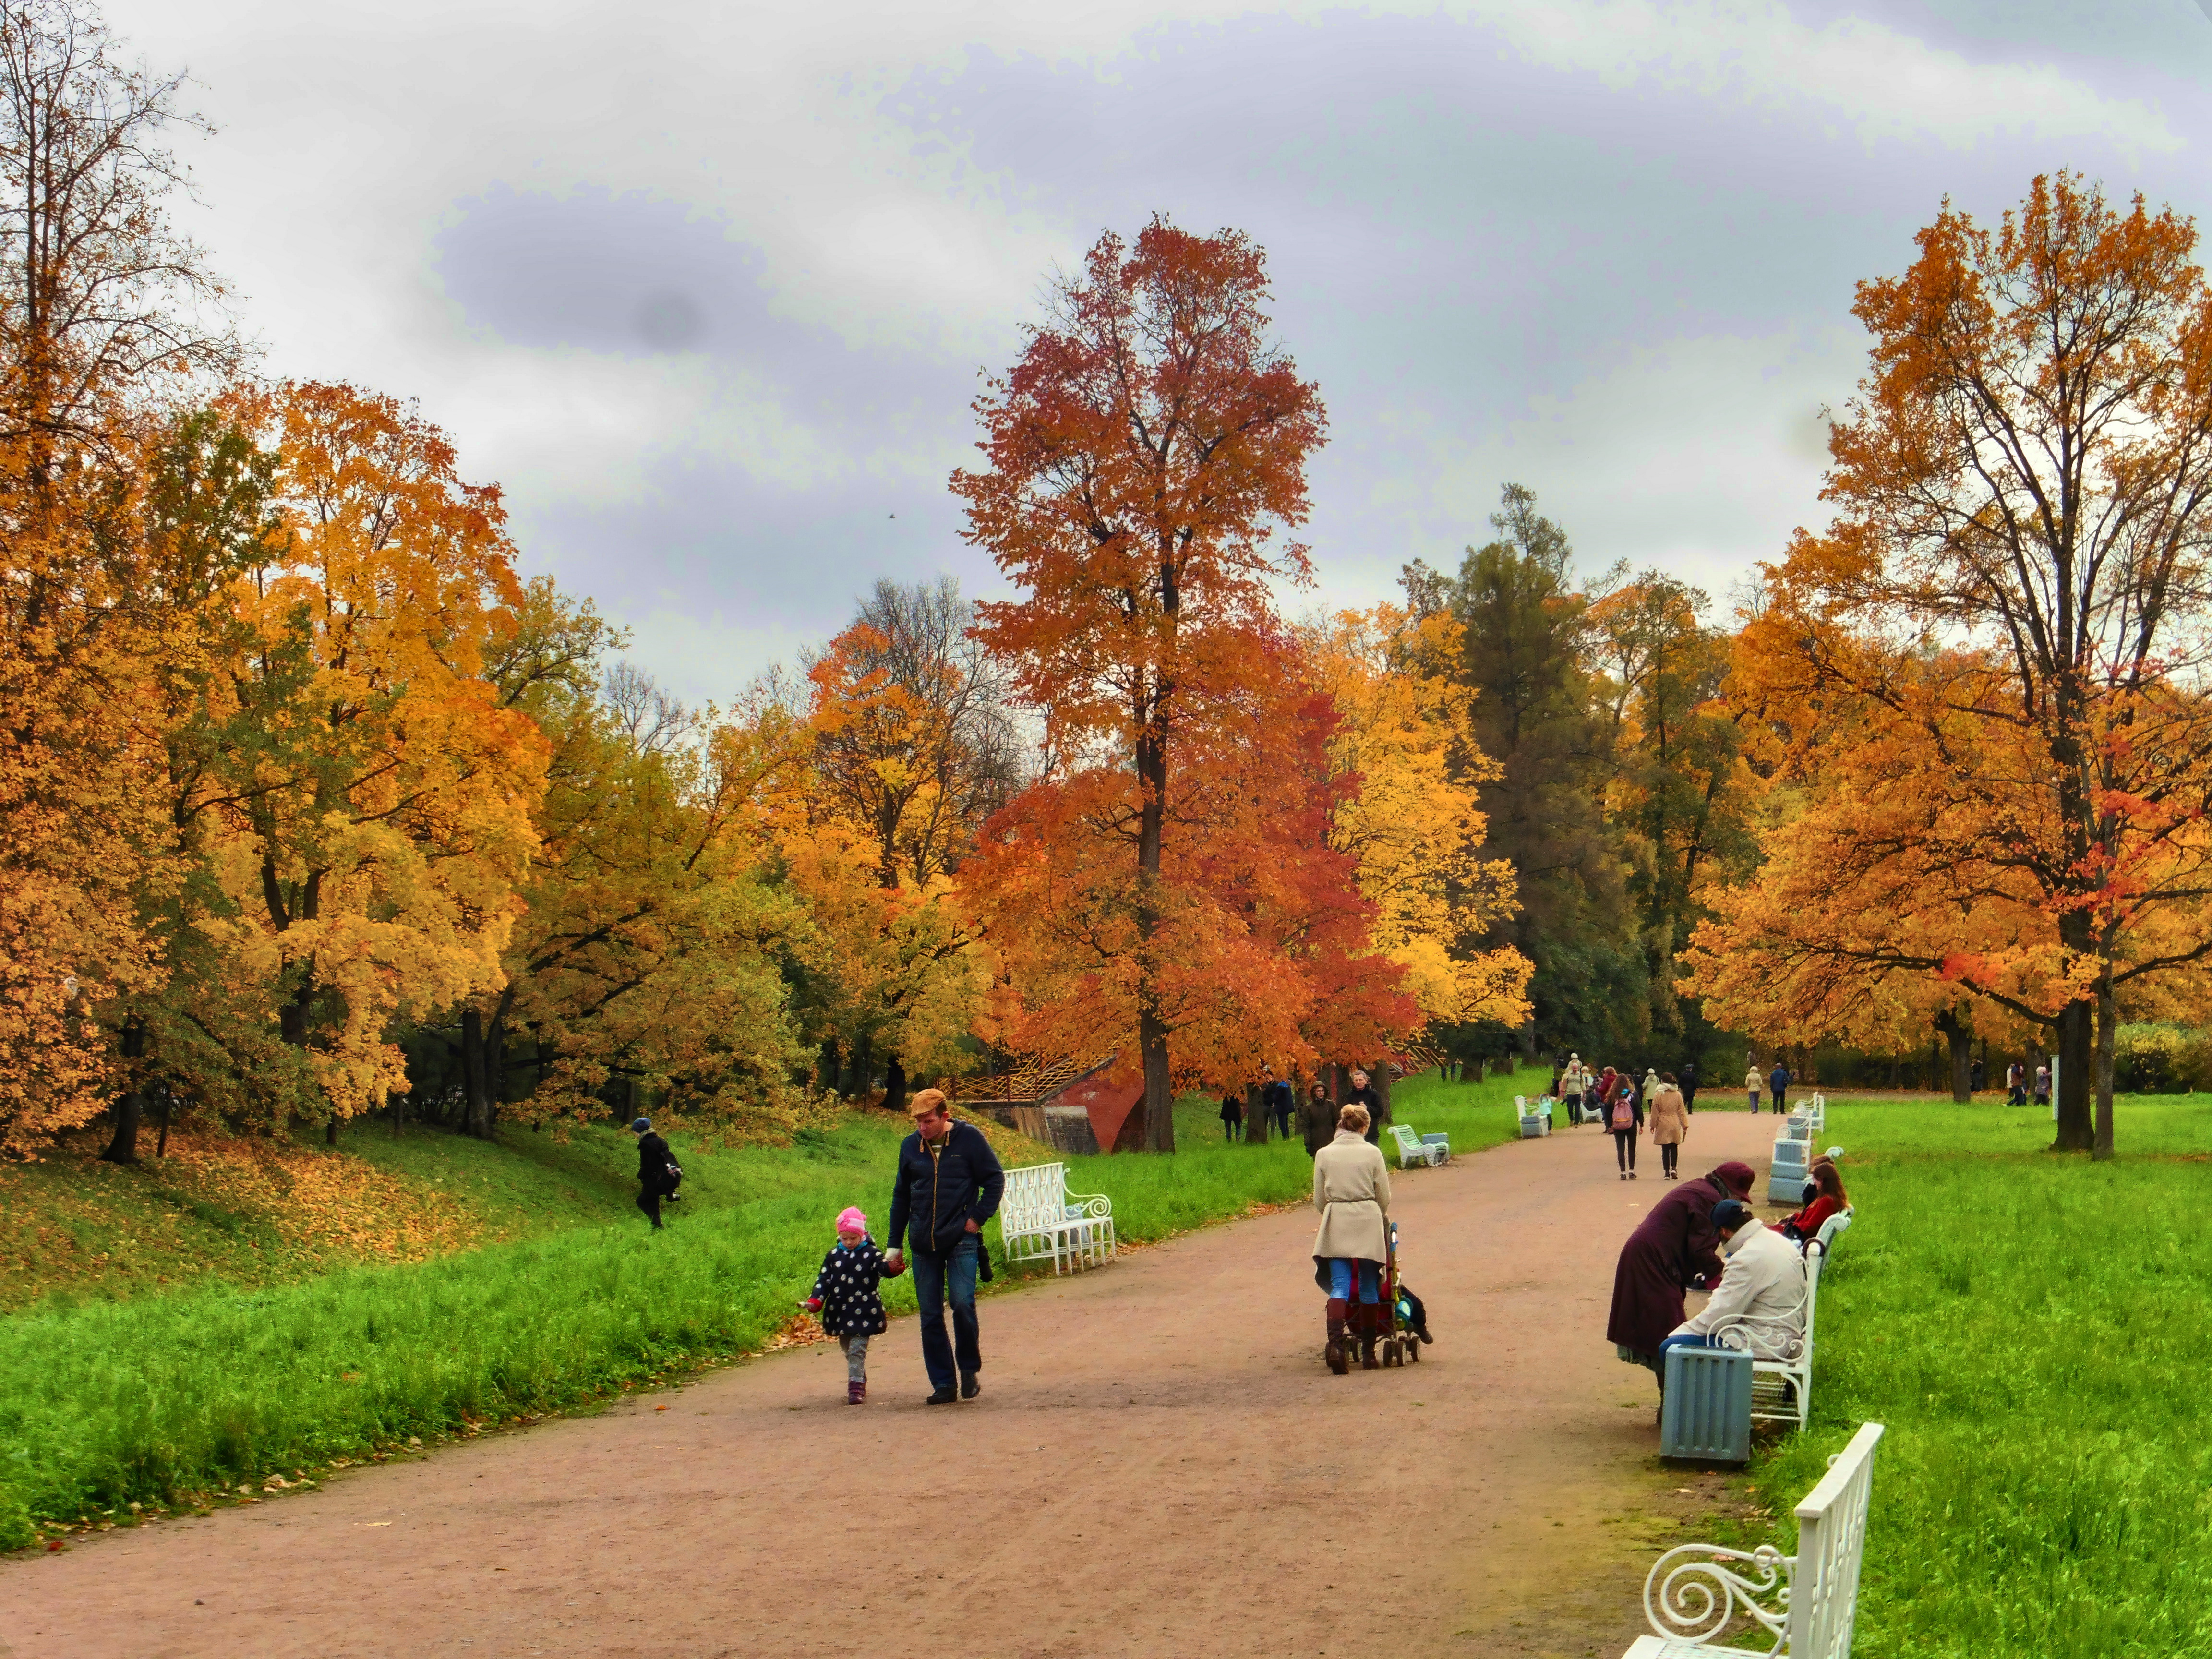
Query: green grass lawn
x=2033, y=1332
x=171, y=1399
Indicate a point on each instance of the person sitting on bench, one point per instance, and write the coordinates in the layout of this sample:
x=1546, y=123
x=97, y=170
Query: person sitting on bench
x=1760, y=1304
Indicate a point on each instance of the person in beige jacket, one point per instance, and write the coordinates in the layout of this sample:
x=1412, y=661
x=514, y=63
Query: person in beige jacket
x=1754, y=1080
x=1667, y=1116
x=1351, y=1190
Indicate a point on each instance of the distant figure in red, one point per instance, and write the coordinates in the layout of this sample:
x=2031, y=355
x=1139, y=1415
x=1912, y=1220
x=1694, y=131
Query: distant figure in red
x=1674, y=1249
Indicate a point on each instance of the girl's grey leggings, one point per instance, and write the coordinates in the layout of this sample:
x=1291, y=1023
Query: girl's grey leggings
x=856, y=1357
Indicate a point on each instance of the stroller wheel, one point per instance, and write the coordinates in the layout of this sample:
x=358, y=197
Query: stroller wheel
x=1412, y=1353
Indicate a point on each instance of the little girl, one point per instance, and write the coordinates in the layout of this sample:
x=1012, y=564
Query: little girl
x=845, y=1295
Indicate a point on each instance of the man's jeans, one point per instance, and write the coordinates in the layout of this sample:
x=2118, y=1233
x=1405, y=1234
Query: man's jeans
x=936, y=1277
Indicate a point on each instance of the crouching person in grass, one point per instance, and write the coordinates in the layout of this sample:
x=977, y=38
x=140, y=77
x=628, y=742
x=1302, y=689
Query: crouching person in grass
x=1760, y=1304
x=847, y=1298
x=949, y=1185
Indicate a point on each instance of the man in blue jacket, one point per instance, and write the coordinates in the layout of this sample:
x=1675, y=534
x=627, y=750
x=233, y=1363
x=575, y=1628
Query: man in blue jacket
x=949, y=1185
x=1777, y=1084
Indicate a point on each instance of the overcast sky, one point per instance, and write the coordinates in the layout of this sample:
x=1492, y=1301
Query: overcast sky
x=707, y=287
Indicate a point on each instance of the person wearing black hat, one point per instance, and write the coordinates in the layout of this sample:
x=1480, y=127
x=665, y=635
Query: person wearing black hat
x=1760, y=1304
x=652, y=1165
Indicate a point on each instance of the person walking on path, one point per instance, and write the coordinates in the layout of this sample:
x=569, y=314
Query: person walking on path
x=1317, y=1118
x=1777, y=1084
x=1362, y=1093
x=1689, y=1086
x=847, y=1298
x=1753, y=1081
x=1233, y=1117
x=653, y=1165
x=1573, y=1082
x=1669, y=1114
x=1351, y=1190
x=949, y=1185
x=1674, y=1250
x=1626, y=1123
x=2015, y=1084
x=2043, y=1086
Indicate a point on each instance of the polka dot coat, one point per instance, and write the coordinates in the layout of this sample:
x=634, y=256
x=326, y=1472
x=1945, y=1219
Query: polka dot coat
x=847, y=1285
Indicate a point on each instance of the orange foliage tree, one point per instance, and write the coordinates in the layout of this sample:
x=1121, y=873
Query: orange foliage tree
x=1987, y=672
x=1138, y=460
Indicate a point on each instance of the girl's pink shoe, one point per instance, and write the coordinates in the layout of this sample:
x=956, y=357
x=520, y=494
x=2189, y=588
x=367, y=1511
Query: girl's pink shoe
x=856, y=1394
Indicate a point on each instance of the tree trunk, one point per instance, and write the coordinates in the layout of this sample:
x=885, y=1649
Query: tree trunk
x=161, y=1143
x=1962, y=1056
x=826, y=1070
x=894, y=1083
x=1379, y=1080
x=1256, y=1115
x=330, y=1130
x=475, y=1112
x=130, y=1106
x=1151, y=1030
x=2076, y=1046
x=864, y=1066
x=2108, y=1019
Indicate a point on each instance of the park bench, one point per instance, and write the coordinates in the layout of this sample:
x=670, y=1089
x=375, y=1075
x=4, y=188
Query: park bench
x=1039, y=1217
x=1534, y=1121
x=1420, y=1149
x=1806, y=1602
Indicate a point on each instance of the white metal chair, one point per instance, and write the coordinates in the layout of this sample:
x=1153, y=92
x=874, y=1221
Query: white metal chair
x=1807, y=1603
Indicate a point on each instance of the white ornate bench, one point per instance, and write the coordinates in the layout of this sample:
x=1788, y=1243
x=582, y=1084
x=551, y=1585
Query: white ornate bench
x=1039, y=1217
x=1806, y=1603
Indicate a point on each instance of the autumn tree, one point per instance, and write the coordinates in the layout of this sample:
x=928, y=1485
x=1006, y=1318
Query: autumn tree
x=108, y=317
x=1401, y=739
x=2011, y=603
x=912, y=747
x=1137, y=462
x=377, y=809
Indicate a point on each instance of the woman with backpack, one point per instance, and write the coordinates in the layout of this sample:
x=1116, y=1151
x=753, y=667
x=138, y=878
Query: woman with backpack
x=1624, y=1117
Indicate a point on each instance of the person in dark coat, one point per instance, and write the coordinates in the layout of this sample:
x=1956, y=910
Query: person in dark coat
x=847, y=1298
x=1363, y=1093
x=1317, y=1118
x=654, y=1184
x=1282, y=1100
x=1232, y=1116
x=1674, y=1248
x=949, y=1184
x=1688, y=1084
x=1777, y=1084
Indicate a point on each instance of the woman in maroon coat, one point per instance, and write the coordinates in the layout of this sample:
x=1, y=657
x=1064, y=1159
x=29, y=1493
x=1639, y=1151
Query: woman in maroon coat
x=1675, y=1247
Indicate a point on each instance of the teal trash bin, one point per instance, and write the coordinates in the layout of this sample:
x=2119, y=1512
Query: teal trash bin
x=1706, y=1410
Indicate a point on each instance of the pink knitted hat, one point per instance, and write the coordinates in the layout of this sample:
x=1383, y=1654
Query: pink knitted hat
x=852, y=1221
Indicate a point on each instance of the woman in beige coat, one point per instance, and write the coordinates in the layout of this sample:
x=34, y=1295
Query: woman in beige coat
x=1351, y=1190
x=1669, y=1119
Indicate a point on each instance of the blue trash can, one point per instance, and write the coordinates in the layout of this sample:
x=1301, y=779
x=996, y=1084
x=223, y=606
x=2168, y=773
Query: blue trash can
x=1706, y=1410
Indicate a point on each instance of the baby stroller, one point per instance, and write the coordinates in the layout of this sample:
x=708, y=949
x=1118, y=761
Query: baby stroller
x=1393, y=1316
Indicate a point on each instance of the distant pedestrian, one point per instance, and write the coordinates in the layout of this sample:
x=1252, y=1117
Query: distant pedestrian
x=847, y=1298
x=1233, y=1117
x=1669, y=1114
x=1777, y=1084
x=656, y=1169
x=949, y=1184
x=1317, y=1118
x=1351, y=1190
x=2015, y=1084
x=1689, y=1086
x=2043, y=1086
x=1978, y=1078
x=1362, y=1093
x=1574, y=1083
x=1283, y=1101
x=1626, y=1123
x=1752, y=1081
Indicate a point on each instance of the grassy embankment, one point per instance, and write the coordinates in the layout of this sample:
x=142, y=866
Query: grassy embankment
x=175, y=1398
x=2033, y=1332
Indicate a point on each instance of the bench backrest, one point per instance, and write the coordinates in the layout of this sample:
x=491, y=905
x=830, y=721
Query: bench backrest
x=1830, y=1230
x=1405, y=1138
x=1824, y=1585
x=1036, y=1193
x=1815, y=1255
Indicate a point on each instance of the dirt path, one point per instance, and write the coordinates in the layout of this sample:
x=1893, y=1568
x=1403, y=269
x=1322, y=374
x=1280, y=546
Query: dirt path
x=1159, y=1466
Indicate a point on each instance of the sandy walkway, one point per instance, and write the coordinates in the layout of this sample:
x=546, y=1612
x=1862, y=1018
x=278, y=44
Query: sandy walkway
x=1159, y=1465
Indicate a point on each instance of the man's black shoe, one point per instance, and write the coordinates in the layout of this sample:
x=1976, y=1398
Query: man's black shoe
x=942, y=1397
x=970, y=1386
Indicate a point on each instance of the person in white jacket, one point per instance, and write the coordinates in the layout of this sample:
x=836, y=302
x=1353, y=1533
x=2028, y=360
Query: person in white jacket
x=1760, y=1304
